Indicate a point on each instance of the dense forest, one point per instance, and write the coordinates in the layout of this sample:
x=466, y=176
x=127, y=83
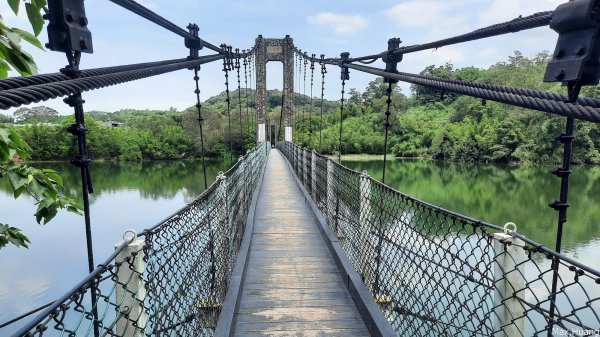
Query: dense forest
x=429, y=123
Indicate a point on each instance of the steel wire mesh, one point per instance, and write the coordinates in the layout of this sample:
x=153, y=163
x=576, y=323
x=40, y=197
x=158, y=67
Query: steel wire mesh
x=174, y=280
x=433, y=271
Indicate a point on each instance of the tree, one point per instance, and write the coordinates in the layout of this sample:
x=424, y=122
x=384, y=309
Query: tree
x=38, y=114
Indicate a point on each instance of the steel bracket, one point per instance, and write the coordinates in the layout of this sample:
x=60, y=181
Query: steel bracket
x=391, y=59
x=345, y=75
x=577, y=54
x=67, y=27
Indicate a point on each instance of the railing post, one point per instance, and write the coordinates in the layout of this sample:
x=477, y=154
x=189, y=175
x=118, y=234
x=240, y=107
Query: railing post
x=509, y=278
x=313, y=176
x=304, y=167
x=330, y=192
x=365, y=225
x=224, y=234
x=130, y=289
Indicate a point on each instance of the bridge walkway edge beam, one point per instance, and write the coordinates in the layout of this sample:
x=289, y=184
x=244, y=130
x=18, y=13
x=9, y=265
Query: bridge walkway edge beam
x=226, y=322
x=368, y=309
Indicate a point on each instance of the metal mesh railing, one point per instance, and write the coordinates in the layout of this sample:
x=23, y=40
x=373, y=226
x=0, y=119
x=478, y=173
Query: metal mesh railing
x=435, y=272
x=174, y=280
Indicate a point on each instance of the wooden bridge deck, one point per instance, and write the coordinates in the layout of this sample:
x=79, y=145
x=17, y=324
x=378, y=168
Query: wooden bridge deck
x=292, y=285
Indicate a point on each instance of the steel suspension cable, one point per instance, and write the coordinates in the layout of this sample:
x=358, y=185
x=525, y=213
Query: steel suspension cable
x=305, y=61
x=25, y=81
x=387, y=127
x=42, y=92
x=149, y=15
x=226, y=69
x=239, y=90
x=312, y=77
x=518, y=24
x=341, y=120
x=323, y=72
x=250, y=70
x=82, y=161
x=246, y=94
x=556, y=107
x=562, y=204
x=299, y=86
x=200, y=123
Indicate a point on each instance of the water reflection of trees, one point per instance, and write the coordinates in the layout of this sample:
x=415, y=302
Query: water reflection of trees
x=500, y=193
x=153, y=179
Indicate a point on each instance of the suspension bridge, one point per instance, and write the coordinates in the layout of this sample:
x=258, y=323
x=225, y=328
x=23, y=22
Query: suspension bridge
x=288, y=242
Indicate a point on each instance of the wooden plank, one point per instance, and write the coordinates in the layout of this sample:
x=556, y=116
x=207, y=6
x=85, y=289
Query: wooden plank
x=292, y=286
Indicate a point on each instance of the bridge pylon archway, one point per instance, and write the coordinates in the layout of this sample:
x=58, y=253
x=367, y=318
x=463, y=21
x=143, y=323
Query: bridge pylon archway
x=274, y=50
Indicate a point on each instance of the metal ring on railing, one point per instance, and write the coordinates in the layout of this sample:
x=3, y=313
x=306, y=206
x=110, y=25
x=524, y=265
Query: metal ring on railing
x=129, y=238
x=510, y=231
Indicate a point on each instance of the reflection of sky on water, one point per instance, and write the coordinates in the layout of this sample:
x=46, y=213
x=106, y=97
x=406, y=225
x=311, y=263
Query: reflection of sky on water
x=56, y=259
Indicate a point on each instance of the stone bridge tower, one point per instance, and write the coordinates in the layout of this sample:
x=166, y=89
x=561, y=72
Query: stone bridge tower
x=274, y=50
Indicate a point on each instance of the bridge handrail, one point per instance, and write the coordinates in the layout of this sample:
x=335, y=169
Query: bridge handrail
x=152, y=305
x=445, y=270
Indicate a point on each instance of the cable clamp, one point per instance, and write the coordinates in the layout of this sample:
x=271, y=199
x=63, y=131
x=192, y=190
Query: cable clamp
x=77, y=129
x=392, y=59
x=345, y=74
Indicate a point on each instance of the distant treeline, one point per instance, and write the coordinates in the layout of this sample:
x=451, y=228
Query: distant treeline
x=430, y=124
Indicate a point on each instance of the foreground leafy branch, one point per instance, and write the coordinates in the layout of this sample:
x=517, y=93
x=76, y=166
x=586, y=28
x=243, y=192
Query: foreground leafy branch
x=12, y=56
x=43, y=185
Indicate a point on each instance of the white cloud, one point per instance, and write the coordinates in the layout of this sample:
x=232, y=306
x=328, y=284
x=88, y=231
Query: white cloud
x=504, y=10
x=341, y=24
x=419, y=13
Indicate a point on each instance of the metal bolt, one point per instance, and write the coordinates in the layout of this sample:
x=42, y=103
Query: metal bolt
x=69, y=17
x=559, y=53
x=83, y=21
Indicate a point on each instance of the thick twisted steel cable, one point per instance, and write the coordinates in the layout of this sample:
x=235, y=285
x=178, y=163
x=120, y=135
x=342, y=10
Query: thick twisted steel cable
x=20, y=82
x=42, y=92
x=149, y=15
x=552, y=96
x=519, y=24
x=582, y=112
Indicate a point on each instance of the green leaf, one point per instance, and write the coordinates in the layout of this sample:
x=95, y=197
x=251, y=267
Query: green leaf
x=28, y=37
x=35, y=18
x=16, y=180
x=4, y=151
x=18, y=192
x=56, y=178
x=14, y=5
x=4, y=68
x=36, y=188
x=14, y=39
x=39, y=3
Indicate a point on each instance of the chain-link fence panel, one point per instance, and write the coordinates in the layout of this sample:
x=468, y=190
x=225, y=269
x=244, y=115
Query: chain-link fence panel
x=172, y=279
x=436, y=272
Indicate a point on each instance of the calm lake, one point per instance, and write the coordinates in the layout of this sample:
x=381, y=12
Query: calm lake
x=139, y=195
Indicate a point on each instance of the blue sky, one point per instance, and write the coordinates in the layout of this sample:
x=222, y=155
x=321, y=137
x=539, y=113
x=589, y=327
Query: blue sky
x=317, y=26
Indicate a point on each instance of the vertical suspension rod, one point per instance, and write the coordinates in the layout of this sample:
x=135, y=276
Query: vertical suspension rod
x=312, y=77
x=226, y=68
x=561, y=205
x=237, y=67
x=200, y=123
x=323, y=72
